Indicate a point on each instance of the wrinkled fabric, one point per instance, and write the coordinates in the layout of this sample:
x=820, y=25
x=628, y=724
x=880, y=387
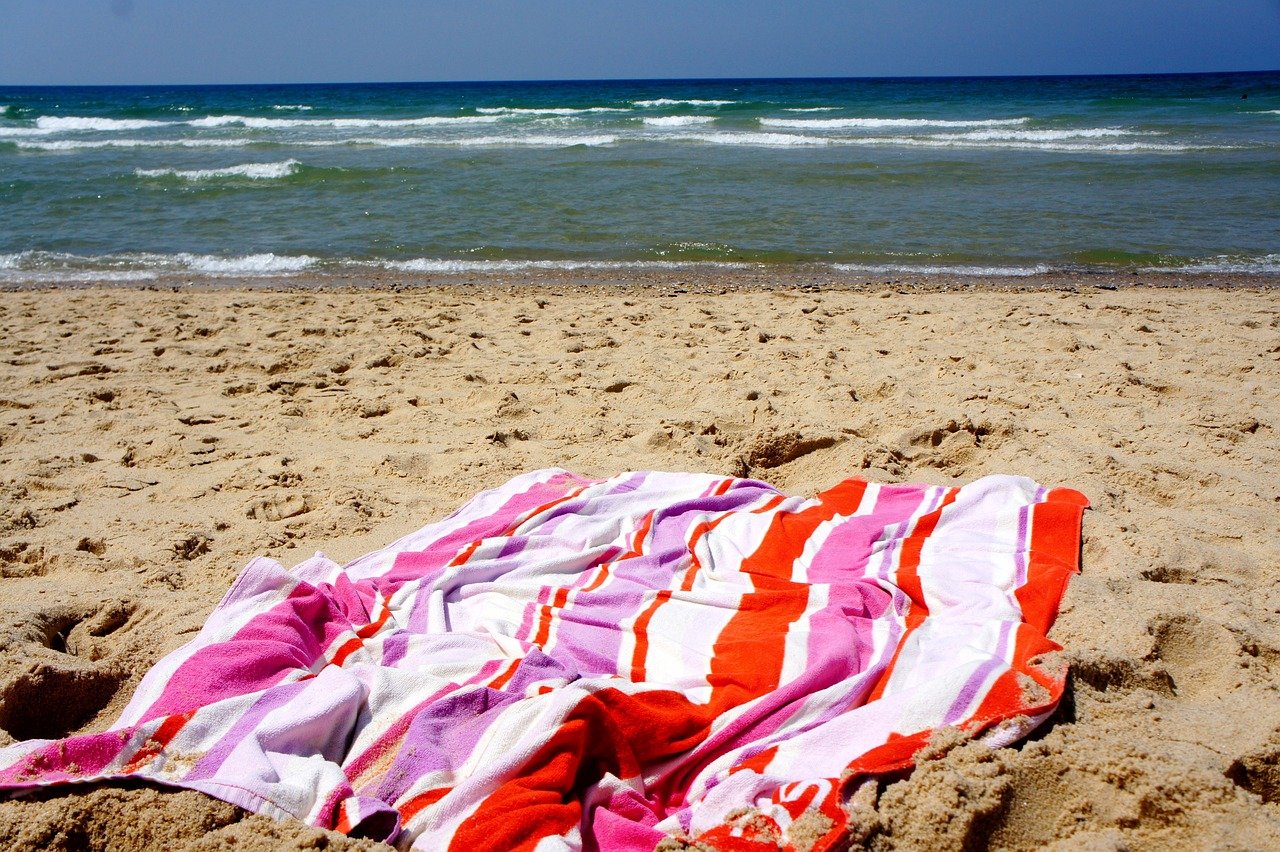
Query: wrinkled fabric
x=572, y=663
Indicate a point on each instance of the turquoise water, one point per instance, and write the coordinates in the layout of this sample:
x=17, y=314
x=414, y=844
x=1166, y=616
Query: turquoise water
x=1003, y=175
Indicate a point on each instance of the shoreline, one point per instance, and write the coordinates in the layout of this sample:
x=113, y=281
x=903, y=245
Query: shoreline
x=153, y=439
x=694, y=278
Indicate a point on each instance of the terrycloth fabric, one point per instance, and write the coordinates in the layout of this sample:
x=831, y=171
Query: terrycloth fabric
x=570, y=663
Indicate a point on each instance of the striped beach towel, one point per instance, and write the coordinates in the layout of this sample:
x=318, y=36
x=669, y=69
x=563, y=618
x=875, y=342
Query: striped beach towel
x=570, y=663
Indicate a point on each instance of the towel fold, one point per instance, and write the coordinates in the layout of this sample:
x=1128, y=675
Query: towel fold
x=572, y=663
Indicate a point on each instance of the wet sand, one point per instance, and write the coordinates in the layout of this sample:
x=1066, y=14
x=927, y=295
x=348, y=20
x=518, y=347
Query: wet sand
x=154, y=440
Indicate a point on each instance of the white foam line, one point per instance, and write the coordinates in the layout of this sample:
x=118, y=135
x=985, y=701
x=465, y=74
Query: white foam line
x=266, y=263
x=1049, y=147
x=775, y=140
x=252, y=171
x=765, y=140
x=64, y=123
x=58, y=266
x=476, y=141
x=1266, y=264
x=994, y=271
x=49, y=125
x=562, y=111
x=678, y=120
x=781, y=140
x=666, y=102
x=23, y=131
x=80, y=145
x=433, y=265
x=74, y=277
x=54, y=266
x=256, y=123
x=1030, y=135
x=857, y=123
x=543, y=141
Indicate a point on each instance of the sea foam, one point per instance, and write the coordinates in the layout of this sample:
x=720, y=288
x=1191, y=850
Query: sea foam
x=1061, y=143
x=84, y=144
x=1033, y=135
x=44, y=267
x=22, y=131
x=139, y=265
x=1263, y=264
x=667, y=102
x=64, y=123
x=1051, y=146
x=258, y=123
x=447, y=266
x=561, y=111
x=252, y=171
x=513, y=141
x=765, y=140
x=530, y=141
x=872, y=123
x=908, y=269
x=678, y=120
x=266, y=263
x=534, y=141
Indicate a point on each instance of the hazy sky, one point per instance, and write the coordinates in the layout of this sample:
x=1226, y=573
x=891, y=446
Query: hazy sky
x=240, y=41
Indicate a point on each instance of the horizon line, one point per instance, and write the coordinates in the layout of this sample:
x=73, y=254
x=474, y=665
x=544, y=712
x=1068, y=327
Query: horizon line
x=589, y=80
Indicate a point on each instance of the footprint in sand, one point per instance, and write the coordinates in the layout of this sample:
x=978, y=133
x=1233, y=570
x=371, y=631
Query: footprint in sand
x=279, y=508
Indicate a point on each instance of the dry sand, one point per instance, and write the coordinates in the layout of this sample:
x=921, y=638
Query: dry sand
x=151, y=442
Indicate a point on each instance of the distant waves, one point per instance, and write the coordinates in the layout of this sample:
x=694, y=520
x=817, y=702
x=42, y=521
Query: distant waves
x=650, y=121
x=1008, y=177
x=565, y=128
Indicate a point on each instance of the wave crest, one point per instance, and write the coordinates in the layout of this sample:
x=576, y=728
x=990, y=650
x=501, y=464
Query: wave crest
x=266, y=263
x=668, y=102
x=252, y=171
x=678, y=120
x=64, y=123
x=561, y=111
x=1267, y=264
x=872, y=123
x=253, y=122
x=765, y=140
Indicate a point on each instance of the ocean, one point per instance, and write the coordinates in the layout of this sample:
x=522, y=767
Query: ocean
x=1003, y=176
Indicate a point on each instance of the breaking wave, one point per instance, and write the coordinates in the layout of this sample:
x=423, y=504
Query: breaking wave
x=257, y=123
x=872, y=123
x=252, y=171
x=1264, y=264
x=678, y=120
x=668, y=102
x=561, y=111
x=907, y=269
x=65, y=123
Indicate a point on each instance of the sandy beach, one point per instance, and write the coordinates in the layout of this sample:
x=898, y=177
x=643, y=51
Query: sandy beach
x=153, y=440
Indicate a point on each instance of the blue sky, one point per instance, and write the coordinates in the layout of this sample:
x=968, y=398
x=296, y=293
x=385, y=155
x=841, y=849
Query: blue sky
x=242, y=41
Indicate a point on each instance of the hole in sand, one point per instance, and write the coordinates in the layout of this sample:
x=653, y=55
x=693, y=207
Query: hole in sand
x=50, y=703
